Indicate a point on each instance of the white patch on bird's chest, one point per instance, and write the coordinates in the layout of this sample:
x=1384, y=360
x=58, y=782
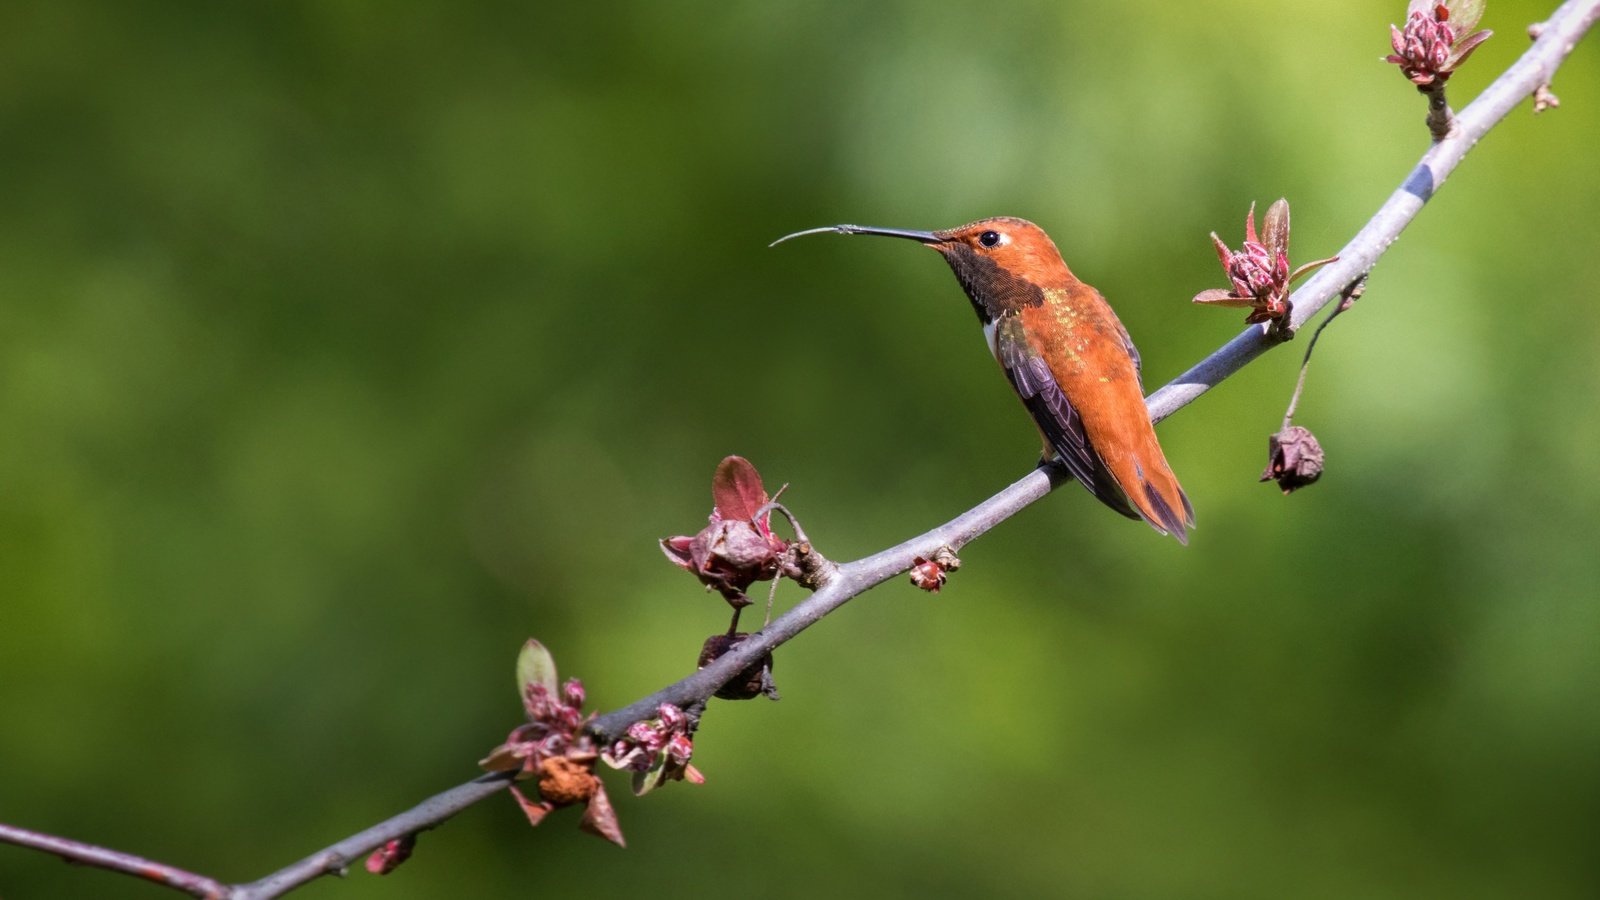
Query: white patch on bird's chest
x=989, y=337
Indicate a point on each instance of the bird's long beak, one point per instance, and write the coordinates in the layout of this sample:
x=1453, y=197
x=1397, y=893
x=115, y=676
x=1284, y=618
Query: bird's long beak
x=926, y=237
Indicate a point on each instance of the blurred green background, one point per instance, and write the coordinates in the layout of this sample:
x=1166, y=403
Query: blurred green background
x=344, y=345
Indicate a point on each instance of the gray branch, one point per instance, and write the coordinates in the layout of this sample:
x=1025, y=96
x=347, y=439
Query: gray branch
x=1532, y=72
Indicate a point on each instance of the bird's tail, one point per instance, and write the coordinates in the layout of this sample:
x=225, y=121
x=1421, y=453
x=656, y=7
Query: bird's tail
x=1154, y=491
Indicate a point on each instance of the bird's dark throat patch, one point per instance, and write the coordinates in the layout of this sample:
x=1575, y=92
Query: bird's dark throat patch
x=993, y=289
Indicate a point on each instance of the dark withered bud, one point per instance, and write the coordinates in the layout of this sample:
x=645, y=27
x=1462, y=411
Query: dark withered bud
x=754, y=681
x=564, y=781
x=1295, y=459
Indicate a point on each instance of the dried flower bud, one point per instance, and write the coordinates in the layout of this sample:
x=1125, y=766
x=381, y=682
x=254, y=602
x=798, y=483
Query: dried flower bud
x=754, y=680
x=737, y=548
x=1295, y=459
x=564, y=781
x=572, y=692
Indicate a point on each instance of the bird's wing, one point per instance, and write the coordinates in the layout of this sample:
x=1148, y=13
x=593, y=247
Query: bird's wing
x=1133, y=352
x=1057, y=420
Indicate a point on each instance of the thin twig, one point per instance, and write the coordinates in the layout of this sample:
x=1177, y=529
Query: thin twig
x=335, y=859
x=89, y=855
x=1351, y=295
x=1557, y=39
x=1440, y=117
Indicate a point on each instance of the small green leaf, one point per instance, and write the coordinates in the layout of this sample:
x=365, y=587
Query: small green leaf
x=535, y=665
x=652, y=778
x=1464, y=14
x=1275, y=228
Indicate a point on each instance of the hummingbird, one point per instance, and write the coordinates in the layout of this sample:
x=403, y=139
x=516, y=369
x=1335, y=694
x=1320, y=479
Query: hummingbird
x=1067, y=356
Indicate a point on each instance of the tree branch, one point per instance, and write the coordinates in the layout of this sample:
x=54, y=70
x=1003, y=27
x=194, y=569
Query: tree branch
x=1533, y=71
x=80, y=853
x=333, y=860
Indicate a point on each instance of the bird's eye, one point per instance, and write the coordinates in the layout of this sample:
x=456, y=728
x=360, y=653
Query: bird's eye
x=989, y=238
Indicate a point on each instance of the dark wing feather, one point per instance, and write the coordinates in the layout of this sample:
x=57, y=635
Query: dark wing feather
x=1057, y=420
x=1133, y=352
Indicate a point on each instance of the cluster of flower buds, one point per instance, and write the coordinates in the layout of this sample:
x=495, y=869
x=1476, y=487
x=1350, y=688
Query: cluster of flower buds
x=553, y=748
x=1431, y=45
x=737, y=547
x=554, y=726
x=1259, y=269
x=656, y=750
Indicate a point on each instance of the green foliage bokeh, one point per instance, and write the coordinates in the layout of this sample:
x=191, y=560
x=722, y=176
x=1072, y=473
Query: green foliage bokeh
x=344, y=345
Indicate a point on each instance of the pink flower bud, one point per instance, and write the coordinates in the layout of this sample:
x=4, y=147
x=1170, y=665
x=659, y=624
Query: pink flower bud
x=672, y=718
x=573, y=693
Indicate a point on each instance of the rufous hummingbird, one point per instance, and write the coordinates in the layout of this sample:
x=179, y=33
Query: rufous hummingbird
x=1069, y=359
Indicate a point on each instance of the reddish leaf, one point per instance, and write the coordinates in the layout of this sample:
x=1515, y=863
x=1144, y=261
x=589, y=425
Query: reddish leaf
x=1223, y=253
x=601, y=819
x=535, y=811
x=503, y=758
x=736, y=489
x=1465, y=14
x=1220, y=297
x=1466, y=45
x=680, y=550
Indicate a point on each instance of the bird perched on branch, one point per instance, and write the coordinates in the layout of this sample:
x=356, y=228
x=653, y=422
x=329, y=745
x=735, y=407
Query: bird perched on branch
x=1068, y=357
